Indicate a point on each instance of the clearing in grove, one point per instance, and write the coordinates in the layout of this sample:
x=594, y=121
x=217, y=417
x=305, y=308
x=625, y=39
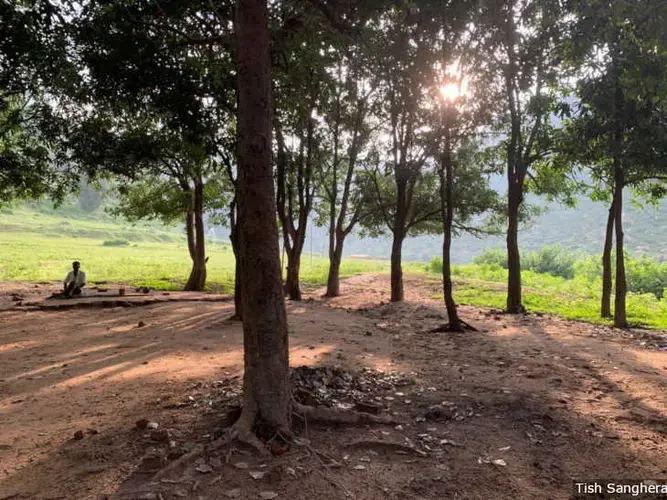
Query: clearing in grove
x=519, y=409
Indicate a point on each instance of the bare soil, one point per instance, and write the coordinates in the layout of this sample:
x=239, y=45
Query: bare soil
x=517, y=410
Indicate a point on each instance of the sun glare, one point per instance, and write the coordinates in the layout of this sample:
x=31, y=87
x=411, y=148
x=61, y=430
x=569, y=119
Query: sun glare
x=450, y=92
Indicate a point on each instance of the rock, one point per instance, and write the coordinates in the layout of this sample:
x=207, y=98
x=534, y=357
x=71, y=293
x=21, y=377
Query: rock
x=369, y=333
x=256, y=475
x=235, y=493
x=141, y=424
x=148, y=496
x=141, y=324
x=78, y=435
x=359, y=467
x=438, y=412
x=268, y=495
x=160, y=435
x=204, y=468
x=152, y=425
x=241, y=465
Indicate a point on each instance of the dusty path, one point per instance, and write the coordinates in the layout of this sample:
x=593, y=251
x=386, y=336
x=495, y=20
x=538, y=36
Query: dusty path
x=554, y=400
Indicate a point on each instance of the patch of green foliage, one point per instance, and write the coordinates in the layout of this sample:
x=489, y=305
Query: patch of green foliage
x=577, y=297
x=118, y=242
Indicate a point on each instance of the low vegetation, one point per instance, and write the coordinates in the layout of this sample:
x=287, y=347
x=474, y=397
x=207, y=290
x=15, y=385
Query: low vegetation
x=560, y=282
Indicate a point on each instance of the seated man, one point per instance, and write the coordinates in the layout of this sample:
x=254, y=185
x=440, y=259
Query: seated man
x=75, y=281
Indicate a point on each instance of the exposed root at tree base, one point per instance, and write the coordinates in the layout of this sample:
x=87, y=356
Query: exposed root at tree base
x=244, y=431
x=463, y=326
x=385, y=446
x=322, y=415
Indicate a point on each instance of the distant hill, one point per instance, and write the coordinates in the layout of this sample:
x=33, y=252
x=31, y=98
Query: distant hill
x=579, y=229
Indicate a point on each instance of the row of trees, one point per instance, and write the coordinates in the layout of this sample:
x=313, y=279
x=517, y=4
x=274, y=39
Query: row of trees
x=387, y=116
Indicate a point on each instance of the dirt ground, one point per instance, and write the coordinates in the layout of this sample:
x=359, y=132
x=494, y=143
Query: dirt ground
x=518, y=410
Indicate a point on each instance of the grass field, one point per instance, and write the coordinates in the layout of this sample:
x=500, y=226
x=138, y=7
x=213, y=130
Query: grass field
x=38, y=244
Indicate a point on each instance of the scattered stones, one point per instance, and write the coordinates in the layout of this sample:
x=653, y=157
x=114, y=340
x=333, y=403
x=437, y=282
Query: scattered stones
x=204, y=468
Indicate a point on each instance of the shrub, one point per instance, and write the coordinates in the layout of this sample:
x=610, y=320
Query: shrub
x=553, y=260
x=118, y=242
x=492, y=256
x=645, y=275
x=435, y=266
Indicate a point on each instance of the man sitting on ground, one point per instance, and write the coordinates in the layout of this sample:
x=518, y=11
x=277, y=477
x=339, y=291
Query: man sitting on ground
x=75, y=281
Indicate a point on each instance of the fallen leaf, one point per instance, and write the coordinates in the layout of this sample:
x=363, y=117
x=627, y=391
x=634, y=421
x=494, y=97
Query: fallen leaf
x=257, y=474
x=241, y=465
x=500, y=462
x=359, y=467
x=504, y=448
x=235, y=493
x=268, y=495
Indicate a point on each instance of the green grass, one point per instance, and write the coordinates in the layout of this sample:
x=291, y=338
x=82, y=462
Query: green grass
x=36, y=246
x=577, y=298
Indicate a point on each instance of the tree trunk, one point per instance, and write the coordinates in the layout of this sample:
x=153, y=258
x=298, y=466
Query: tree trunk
x=397, y=294
x=605, y=306
x=238, y=275
x=292, y=288
x=197, y=279
x=620, y=320
x=514, y=301
x=447, y=205
x=335, y=258
x=266, y=385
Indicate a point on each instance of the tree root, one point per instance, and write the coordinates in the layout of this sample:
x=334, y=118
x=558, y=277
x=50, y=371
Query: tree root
x=240, y=431
x=385, y=446
x=322, y=415
x=243, y=431
x=447, y=328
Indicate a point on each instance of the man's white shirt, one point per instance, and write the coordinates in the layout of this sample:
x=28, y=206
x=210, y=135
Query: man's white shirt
x=79, y=279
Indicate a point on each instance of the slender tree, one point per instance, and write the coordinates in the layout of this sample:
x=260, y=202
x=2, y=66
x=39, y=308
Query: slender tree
x=520, y=39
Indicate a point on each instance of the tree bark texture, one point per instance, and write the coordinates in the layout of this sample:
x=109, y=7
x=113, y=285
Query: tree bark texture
x=196, y=239
x=447, y=204
x=605, y=306
x=267, y=395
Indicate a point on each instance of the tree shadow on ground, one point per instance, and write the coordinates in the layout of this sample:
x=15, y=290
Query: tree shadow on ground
x=550, y=396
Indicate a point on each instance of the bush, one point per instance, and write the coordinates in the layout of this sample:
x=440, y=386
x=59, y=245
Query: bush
x=645, y=275
x=435, y=266
x=553, y=260
x=118, y=242
x=492, y=256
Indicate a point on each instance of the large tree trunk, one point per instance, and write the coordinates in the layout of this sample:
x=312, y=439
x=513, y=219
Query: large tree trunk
x=197, y=279
x=397, y=294
x=447, y=205
x=605, y=306
x=266, y=385
x=620, y=320
x=514, y=300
